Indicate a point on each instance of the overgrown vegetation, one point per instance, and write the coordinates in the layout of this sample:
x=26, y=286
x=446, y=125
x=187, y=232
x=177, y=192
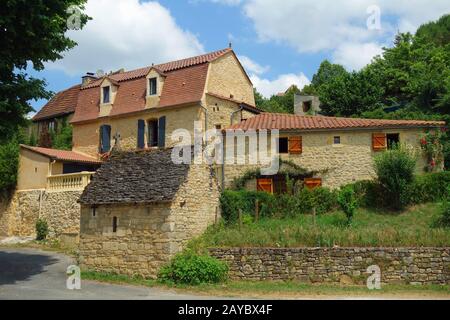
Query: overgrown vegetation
x=348, y=202
x=395, y=172
x=369, y=228
x=193, y=269
x=62, y=140
x=9, y=163
x=444, y=219
x=41, y=229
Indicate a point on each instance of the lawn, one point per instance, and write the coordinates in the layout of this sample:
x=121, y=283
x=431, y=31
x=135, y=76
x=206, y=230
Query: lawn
x=369, y=229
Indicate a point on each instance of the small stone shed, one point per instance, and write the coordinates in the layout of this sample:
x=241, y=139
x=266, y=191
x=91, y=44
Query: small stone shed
x=140, y=209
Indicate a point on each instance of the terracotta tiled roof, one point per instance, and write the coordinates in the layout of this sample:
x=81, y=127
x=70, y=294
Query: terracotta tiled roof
x=62, y=103
x=126, y=178
x=280, y=121
x=184, y=84
x=62, y=155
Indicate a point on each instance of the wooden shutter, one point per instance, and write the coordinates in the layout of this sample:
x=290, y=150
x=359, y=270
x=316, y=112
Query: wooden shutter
x=265, y=185
x=141, y=134
x=295, y=145
x=312, y=183
x=379, y=141
x=105, y=138
x=162, y=132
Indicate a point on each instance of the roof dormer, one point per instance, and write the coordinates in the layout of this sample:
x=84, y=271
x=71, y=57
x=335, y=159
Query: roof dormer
x=108, y=92
x=155, y=82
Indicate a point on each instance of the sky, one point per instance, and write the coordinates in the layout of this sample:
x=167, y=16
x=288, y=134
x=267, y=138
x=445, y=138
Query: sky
x=279, y=43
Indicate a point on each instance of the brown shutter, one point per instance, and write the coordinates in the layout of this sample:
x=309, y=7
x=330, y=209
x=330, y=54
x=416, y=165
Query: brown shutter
x=265, y=185
x=295, y=145
x=312, y=183
x=379, y=141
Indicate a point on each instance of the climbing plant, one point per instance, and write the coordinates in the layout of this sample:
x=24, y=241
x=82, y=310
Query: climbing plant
x=432, y=145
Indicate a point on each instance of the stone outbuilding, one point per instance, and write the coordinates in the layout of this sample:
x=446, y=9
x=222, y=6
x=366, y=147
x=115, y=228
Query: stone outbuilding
x=140, y=209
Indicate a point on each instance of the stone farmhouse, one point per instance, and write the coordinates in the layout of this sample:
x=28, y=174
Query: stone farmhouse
x=119, y=195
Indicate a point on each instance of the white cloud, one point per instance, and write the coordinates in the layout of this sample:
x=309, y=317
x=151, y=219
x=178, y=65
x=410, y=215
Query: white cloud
x=252, y=67
x=270, y=87
x=356, y=55
x=129, y=34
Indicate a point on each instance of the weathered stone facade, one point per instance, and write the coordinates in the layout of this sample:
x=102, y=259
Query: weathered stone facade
x=148, y=235
x=334, y=265
x=18, y=214
x=337, y=165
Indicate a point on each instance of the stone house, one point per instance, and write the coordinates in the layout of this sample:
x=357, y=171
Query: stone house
x=336, y=151
x=141, y=208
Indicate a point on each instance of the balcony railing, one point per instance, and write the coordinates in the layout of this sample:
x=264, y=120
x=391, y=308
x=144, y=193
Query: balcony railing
x=69, y=182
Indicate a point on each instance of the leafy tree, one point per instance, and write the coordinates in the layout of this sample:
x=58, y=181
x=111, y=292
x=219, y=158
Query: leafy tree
x=31, y=33
x=63, y=139
x=348, y=202
x=326, y=73
x=436, y=32
x=9, y=163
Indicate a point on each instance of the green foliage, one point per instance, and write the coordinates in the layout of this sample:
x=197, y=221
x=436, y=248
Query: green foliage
x=348, y=202
x=444, y=219
x=395, y=171
x=41, y=229
x=280, y=206
x=31, y=35
x=283, y=103
x=192, y=269
x=432, y=145
x=63, y=139
x=9, y=163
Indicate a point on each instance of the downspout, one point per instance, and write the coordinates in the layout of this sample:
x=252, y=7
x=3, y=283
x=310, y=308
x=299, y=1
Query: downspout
x=206, y=120
x=234, y=112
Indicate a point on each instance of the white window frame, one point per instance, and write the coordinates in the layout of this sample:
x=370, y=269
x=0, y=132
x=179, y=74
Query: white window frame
x=150, y=94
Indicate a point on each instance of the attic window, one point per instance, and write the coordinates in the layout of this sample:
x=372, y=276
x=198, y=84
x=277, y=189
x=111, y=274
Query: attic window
x=106, y=94
x=152, y=86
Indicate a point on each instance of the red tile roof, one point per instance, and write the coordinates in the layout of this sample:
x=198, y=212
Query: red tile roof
x=270, y=121
x=184, y=83
x=62, y=155
x=62, y=103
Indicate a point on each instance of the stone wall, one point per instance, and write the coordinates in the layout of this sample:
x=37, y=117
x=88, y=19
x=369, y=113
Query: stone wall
x=333, y=265
x=18, y=214
x=147, y=236
x=337, y=165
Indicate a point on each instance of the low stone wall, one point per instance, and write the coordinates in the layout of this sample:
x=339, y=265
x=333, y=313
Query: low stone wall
x=333, y=265
x=19, y=213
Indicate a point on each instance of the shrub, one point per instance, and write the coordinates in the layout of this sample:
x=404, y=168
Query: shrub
x=444, y=219
x=193, y=269
x=395, y=171
x=9, y=163
x=233, y=201
x=41, y=229
x=348, y=202
x=429, y=187
x=63, y=139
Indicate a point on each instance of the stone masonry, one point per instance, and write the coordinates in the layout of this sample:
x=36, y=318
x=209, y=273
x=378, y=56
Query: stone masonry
x=334, y=265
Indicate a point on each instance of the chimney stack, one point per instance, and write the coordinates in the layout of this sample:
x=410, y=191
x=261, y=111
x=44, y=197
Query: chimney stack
x=88, y=78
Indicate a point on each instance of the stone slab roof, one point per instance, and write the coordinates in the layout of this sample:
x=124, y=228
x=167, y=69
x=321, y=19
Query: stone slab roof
x=139, y=177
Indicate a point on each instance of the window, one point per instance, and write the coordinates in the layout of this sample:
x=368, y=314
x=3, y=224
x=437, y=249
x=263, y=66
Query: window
x=307, y=106
x=114, y=226
x=152, y=86
x=106, y=94
x=218, y=127
x=52, y=125
x=283, y=145
x=393, y=140
x=105, y=139
x=153, y=133
x=337, y=140
x=93, y=211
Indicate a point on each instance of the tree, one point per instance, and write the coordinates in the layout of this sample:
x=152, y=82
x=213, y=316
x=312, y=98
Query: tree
x=31, y=33
x=63, y=138
x=326, y=73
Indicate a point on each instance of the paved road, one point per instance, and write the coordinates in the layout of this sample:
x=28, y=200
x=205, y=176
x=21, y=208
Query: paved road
x=33, y=274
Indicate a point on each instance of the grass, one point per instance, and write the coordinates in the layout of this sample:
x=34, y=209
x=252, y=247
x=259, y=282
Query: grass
x=369, y=228
x=281, y=289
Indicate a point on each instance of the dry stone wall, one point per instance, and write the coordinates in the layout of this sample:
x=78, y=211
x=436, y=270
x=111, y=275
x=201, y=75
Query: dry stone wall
x=334, y=265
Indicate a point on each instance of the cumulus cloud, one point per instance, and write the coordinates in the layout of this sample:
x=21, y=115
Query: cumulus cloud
x=270, y=87
x=128, y=34
x=356, y=55
x=252, y=67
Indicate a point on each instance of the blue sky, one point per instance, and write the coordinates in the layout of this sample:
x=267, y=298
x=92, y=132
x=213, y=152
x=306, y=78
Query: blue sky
x=279, y=42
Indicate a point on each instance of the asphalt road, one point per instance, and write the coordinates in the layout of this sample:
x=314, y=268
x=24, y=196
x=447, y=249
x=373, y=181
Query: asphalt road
x=28, y=274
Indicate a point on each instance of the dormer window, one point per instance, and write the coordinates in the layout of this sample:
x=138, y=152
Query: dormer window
x=152, y=86
x=106, y=95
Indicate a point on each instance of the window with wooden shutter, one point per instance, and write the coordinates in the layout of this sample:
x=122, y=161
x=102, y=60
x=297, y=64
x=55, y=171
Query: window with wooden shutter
x=141, y=134
x=295, y=145
x=265, y=185
x=312, y=183
x=379, y=141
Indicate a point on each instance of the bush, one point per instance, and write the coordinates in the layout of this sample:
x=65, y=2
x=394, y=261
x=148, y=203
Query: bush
x=9, y=163
x=232, y=201
x=395, y=171
x=41, y=229
x=192, y=269
x=348, y=202
x=444, y=219
x=63, y=139
x=430, y=187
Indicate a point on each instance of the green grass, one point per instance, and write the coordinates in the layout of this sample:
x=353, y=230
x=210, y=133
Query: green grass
x=369, y=229
x=274, y=289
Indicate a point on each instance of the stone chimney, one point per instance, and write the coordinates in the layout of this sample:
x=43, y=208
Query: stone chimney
x=306, y=105
x=88, y=78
